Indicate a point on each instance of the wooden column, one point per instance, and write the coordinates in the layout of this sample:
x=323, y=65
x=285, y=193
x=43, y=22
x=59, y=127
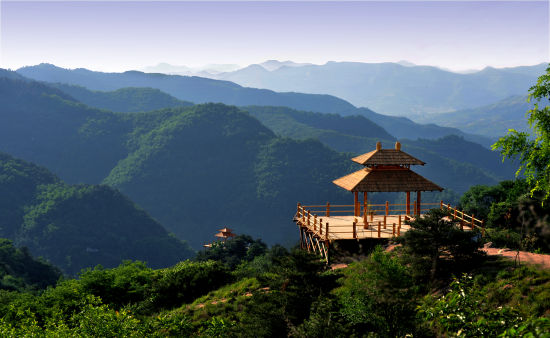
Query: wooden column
x=408, y=206
x=365, y=203
x=355, y=203
x=418, y=203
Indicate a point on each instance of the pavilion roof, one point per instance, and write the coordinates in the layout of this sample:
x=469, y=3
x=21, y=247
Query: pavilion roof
x=225, y=230
x=389, y=179
x=387, y=157
x=224, y=234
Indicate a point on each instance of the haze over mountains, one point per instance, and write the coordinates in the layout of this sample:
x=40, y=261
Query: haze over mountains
x=390, y=88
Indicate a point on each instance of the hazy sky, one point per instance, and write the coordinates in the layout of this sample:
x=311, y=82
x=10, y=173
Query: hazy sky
x=116, y=36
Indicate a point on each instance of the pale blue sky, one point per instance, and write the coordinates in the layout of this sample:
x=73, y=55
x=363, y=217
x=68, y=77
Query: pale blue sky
x=117, y=36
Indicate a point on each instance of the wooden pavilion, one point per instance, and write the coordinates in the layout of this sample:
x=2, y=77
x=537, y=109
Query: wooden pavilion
x=224, y=233
x=385, y=170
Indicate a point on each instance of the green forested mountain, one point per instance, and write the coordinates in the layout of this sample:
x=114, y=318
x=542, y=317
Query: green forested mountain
x=338, y=132
x=123, y=100
x=46, y=126
x=451, y=161
x=201, y=90
x=193, y=169
x=197, y=168
x=80, y=225
x=20, y=271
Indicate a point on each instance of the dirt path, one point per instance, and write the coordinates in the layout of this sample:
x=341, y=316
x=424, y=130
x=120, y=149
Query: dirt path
x=524, y=257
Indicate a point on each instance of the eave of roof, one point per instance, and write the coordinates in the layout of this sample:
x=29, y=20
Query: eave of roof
x=385, y=180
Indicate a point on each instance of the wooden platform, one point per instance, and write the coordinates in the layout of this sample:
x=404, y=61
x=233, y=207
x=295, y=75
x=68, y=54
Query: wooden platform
x=322, y=225
x=341, y=227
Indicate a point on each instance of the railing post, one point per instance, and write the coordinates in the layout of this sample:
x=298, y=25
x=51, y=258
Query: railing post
x=384, y=221
x=400, y=221
x=462, y=222
x=308, y=217
x=354, y=230
x=320, y=226
x=326, y=232
x=473, y=224
x=387, y=208
x=441, y=205
x=454, y=216
x=379, y=229
x=365, y=222
x=327, y=213
x=399, y=230
x=371, y=215
x=415, y=209
x=393, y=230
x=314, y=222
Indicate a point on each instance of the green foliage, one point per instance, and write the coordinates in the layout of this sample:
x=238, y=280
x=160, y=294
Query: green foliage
x=435, y=242
x=533, y=327
x=378, y=295
x=129, y=283
x=19, y=270
x=186, y=281
x=461, y=312
x=492, y=203
x=533, y=151
x=515, y=220
x=233, y=251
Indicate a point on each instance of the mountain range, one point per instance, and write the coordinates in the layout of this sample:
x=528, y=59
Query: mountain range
x=197, y=168
x=201, y=90
x=492, y=120
x=392, y=88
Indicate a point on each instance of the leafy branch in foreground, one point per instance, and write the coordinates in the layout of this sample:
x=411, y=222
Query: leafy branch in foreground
x=533, y=151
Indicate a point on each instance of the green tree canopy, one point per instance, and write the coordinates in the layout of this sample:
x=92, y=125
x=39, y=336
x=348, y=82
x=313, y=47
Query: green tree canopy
x=533, y=151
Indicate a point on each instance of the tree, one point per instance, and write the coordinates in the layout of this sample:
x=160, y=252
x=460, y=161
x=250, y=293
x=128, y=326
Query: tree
x=435, y=239
x=533, y=151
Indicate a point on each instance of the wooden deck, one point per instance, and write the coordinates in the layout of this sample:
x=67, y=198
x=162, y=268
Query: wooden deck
x=320, y=227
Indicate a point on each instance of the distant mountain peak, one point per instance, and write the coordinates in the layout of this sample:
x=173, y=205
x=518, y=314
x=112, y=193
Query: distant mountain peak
x=272, y=65
x=406, y=63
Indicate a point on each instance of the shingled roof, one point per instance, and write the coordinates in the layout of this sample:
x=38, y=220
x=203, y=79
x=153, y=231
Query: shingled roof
x=387, y=157
x=388, y=180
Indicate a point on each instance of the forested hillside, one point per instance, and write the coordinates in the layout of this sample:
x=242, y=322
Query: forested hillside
x=193, y=169
x=199, y=90
x=78, y=226
x=123, y=100
x=451, y=161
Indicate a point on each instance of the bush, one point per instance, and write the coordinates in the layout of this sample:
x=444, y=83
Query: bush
x=186, y=281
x=377, y=295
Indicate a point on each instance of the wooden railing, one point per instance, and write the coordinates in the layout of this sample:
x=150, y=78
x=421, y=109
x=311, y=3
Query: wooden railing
x=465, y=219
x=311, y=216
x=374, y=209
